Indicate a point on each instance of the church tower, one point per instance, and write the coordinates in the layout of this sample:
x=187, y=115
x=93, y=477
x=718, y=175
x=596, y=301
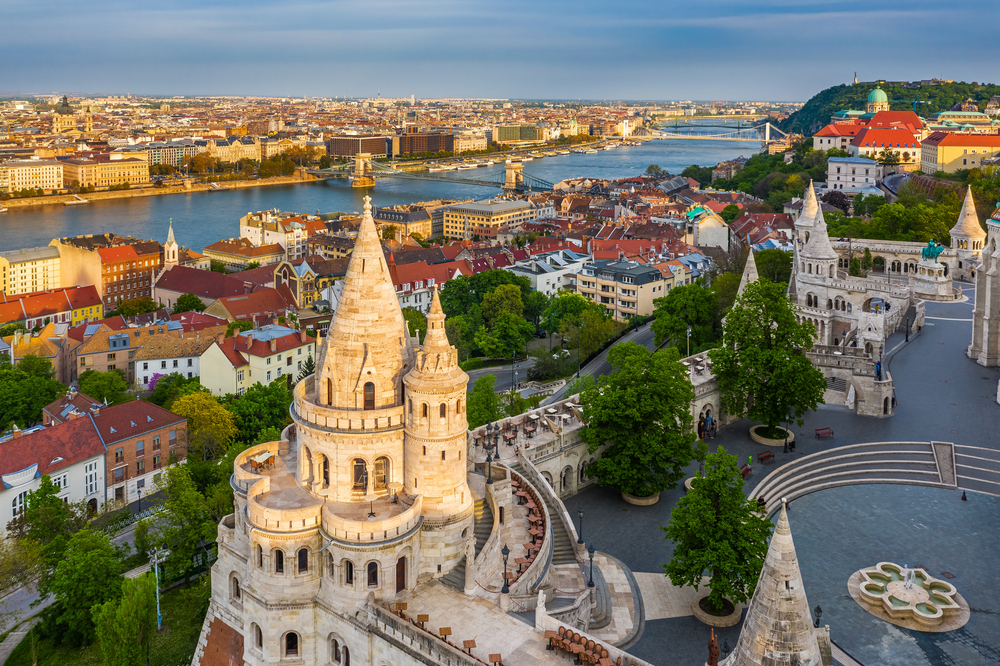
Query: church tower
x=170, y=250
x=967, y=237
x=877, y=101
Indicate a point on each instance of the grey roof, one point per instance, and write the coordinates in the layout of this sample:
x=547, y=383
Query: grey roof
x=31, y=254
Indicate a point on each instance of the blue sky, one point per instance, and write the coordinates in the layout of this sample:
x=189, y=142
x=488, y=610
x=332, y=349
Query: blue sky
x=644, y=49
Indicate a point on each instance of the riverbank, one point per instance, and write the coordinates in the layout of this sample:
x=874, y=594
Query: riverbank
x=150, y=191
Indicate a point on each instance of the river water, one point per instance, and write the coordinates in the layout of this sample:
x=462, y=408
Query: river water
x=202, y=218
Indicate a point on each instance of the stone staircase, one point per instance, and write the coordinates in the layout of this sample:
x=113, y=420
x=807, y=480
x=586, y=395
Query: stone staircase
x=563, y=548
x=455, y=578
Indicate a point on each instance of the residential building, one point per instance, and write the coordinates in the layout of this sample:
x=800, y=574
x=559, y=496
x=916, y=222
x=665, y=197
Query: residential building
x=61, y=306
x=464, y=220
x=625, y=288
x=469, y=142
x=551, y=272
x=258, y=307
x=290, y=231
x=407, y=220
x=61, y=409
x=330, y=246
x=870, y=142
x=103, y=349
x=209, y=286
x=31, y=269
x=349, y=146
x=852, y=174
x=949, y=152
x=415, y=282
x=16, y=175
x=163, y=355
x=261, y=355
x=237, y=253
x=121, y=268
x=49, y=343
x=104, y=171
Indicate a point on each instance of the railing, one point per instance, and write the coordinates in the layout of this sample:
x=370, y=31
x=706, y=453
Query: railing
x=548, y=495
x=122, y=523
x=411, y=637
x=305, y=409
x=360, y=531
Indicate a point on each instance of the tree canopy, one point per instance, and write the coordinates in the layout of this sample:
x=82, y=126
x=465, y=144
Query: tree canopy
x=483, y=404
x=716, y=528
x=24, y=394
x=774, y=264
x=107, y=386
x=89, y=575
x=642, y=412
x=211, y=427
x=188, y=303
x=134, y=306
x=125, y=626
x=258, y=408
x=167, y=388
x=761, y=367
x=689, y=306
x=416, y=322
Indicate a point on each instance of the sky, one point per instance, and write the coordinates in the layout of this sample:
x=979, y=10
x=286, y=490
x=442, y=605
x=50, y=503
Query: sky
x=521, y=49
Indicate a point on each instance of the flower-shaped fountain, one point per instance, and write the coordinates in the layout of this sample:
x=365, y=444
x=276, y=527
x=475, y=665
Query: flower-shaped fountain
x=909, y=594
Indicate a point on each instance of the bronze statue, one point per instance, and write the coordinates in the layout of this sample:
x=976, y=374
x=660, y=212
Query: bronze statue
x=932, y=251
x=713, y=651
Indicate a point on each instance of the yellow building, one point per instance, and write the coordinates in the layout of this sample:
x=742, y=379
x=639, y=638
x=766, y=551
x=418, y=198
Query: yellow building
x=461, y=219
x=34, y=173
x=31, y=269
x=625, y=288
x=949, y=152
x=104, y=171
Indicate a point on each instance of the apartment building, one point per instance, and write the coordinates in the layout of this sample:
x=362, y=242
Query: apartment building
x=949, y=152
x=40, y=174
x=625, y=288
x=238, y=253
x=61, y=306
x=291, y=232
x=462, y=220
x=31, y=269
x=164, y=355
x=852, y=174
x=261, y=355
x=104, y=171
x=120, y=268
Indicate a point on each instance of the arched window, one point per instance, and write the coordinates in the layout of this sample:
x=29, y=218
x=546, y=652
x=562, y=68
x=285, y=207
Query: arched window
x=334, y=651
x=444, y=410
x=423, y=410
x=369, y=395
x=410, y=400
x=326, y=472
x=831, y=270
x=291, y=644
x=373, y=574
x=348, y=572
x=303, y=560
x=346, y=656
x=329, y=391
x=279, y=562
x=360, y=475
x=236, y=588
x=458, y=406
x=258, y=637
x=381, y=472
x=260, y=556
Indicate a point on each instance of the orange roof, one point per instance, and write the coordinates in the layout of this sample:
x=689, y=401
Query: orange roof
x=953, y=139
x=880, y=138
x=116, y=253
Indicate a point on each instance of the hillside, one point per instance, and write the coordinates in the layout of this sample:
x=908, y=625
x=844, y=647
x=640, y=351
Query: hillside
x=817, y=111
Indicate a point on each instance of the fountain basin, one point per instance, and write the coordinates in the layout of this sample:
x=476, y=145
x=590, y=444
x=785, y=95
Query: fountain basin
x=927, y=601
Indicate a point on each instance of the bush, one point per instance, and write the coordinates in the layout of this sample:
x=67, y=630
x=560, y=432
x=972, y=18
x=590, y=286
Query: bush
x=471, y=364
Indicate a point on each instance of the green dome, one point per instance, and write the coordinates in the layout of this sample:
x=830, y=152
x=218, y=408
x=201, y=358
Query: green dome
x=877, y=96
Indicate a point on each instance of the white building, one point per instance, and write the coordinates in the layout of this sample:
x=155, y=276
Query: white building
x=262, y=355
x=852, y=175
x=165, y=354
x=551, y=271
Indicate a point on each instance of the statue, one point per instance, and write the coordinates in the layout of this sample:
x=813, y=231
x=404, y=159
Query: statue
x=713, y=651
x=931, y=252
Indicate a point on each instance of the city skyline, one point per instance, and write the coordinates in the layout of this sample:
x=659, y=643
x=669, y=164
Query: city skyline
x=776, y=50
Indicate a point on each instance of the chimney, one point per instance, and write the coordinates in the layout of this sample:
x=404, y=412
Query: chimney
x=222, y=336
x=274, y=345
x=72, y=416
x=17, y=432
x=302, y=334
x=95, y=409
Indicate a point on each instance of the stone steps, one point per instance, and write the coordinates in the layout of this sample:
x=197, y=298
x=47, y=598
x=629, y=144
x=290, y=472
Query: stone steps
x=563, y=548
x=483, y=527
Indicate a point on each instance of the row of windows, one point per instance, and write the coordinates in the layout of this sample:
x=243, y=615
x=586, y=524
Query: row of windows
x=290, y=643
x=302, y=566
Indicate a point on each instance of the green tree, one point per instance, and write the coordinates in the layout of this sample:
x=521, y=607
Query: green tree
x=888, y=157
x=105, y=386
x=186, y=523
x=89, y=575
x=308, y=368
x=702, y=174
x=579, y=384
x=565, y=305
x=507, y=337
x=10, y=329
x=23, y=395
x=36, y=366
x=716, y=528
x=389, y=232
x=867, y=261
x=689, y=306
x=505, y=298
x=125, y=626
x=22, y=564
x=260, y=407
x=761, y=367
x=642, y=412
x=730, y=213
x=724, y=287
x=654, y=170
x=252, y=265
x=416, y=322
x=324, y=162
x=136, y=306
x=238, y=326
x=188, y=303
x=461, y=334
x=854, y=270
x=483, y=403
x=534, y=305
x=774, y=264
x=175, y=385
x=49, y=521
x=457, y=296
x=217, y=266
x=211, y=427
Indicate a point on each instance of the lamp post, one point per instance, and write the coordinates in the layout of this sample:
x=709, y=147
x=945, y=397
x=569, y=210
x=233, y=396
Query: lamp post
x=155, y=555
x=489, y=454
x=907, y=328
x=579, y=538
x=689, y=340
x=516, y=378
x=579, y=345
x=505, y=552
x=139, y=491
x=819, y=614
x=725, y=648
x=513, y=362
x=590, y=551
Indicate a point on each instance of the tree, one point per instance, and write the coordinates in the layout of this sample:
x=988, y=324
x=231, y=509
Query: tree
x=483, y=403
x=774, y=264
x=89, y=575
x=505, y=298
x=565, y=304
x=507, y=337
x=36, y=366
x=252, y=265
x=262, y=406
x=23, y=395
x=216, y=266
x=186, y=521
x=689, y=306
x=135, y=306
x=109, y=387
x=867, y=261
x=716, y=528
x=10, y=329
x=579, y=384
x=761, y=367
x=188, y=303
x=654, y=170
x=170, y=387
x=730, y=213
x=837, y=199
x=888, y=157
x=49, y=521
x=535, y=304
x=642, y=412
x=389, y=232
x=238, y=326
x=211, y=427
x=308, y=368
x=125, y=626
x=854, y=270
x=416, y=322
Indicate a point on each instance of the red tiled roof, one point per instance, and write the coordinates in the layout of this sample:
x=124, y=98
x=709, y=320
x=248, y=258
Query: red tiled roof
x=258, y=304
x=12, y=311
x=116, y=253
x=204, y=284
x=262, y=275
x=115, y=423
x=83, y=297
x=197, y=321
x=952, y=139
x=878, y=138
x=53, y=448
x=79, y=400
x=242, y=247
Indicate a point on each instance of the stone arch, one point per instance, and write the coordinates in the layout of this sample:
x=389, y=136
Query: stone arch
x=329, y=391
x=372, y=574
x=459, y=407
x=896, y=266
x=359, y=475
x=257, y=636
x=291, y=645
x=369, y=395
x=278, y=556
x=830, y=270
x=868, y=348
x=383, y=472
x=324, y=470
x=945, y=268
x=347, y=566
x=583, y=469
x=302, y=560
x=260, y=557
x=829, y=304
x=338, y=648
x=810, y=268
x=885, y=406
x=235, y=593
x=566, y=479
x=548, y=479
x=878, y=264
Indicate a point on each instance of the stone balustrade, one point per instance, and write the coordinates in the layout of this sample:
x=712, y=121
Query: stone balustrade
x=305, y=409
x=364, y=531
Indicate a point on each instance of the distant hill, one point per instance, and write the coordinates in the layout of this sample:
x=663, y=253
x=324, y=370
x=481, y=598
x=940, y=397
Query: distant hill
x=815, y=114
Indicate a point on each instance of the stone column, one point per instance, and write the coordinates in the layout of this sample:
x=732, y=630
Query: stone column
x=504, y=602
x=470, y=566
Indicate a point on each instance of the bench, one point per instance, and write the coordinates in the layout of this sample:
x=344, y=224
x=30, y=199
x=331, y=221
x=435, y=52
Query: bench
x=745, y=471
x=824, y=432
x=764, y=455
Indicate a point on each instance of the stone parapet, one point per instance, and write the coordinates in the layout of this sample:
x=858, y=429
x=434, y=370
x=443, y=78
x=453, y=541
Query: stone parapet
x=370, y=531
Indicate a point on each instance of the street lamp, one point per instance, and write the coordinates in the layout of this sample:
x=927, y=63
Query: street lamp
x=725, y=648
x=907, y=328
x=590, y=551
x=139, y=490
x=489, y=455
x=513, y=362
x=579, y=345
x=505, y=552
x=819, y=614
x=155, y=557
x=579, y=538
x=689, y=340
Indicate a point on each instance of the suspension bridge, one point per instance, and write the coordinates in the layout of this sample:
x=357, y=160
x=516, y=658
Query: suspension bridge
x=752, y=134
x=364, y=171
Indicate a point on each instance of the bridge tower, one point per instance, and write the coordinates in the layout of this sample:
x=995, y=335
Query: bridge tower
x=362, y=176
x=514, y=181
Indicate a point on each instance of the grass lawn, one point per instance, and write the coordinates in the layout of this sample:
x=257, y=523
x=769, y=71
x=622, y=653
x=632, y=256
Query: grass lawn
x=183, y=613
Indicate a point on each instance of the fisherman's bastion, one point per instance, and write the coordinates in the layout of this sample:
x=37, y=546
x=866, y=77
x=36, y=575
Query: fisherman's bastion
x=381, y=531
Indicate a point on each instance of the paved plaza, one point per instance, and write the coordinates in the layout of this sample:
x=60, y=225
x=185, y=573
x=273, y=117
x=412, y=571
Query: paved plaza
x=942, y=395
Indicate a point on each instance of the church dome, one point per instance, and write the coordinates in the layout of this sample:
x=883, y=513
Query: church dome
x=877, y=96
x=64, y=108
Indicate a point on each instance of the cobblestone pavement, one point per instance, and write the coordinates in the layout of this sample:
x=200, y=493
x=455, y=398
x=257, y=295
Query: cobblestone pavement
x=941, y=395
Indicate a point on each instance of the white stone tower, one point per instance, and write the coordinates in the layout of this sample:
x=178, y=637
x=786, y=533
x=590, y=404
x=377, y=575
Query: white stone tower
x=967, y=237
x=749, y=272
x=815, y=264
x=985, y=345
x=170, y=249
x=778, y=629
x=804, y=222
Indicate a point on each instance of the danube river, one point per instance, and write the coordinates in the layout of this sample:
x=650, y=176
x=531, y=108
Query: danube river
x=204, y=217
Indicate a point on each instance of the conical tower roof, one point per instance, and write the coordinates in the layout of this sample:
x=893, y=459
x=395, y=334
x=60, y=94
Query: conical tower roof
x=810, y=208
x=778, y=629
x=749, y=272
x=818, y=246
x=170, y=234
x=436, y=363
x=968, y=226
x=367, y=340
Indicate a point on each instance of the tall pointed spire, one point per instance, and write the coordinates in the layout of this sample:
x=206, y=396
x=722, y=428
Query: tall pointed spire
x=810, y=208
x=170, y=233
x=437, y=359
x=778, y=626
x=967, y=227
x=818, y=246
x=749, y=272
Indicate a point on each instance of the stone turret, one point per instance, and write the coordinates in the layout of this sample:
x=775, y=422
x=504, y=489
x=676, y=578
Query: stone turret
x=749, y=272
x=170, y=248
x=817, y=256
x=804, y=222
x=778, y=629
x=967, y=238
